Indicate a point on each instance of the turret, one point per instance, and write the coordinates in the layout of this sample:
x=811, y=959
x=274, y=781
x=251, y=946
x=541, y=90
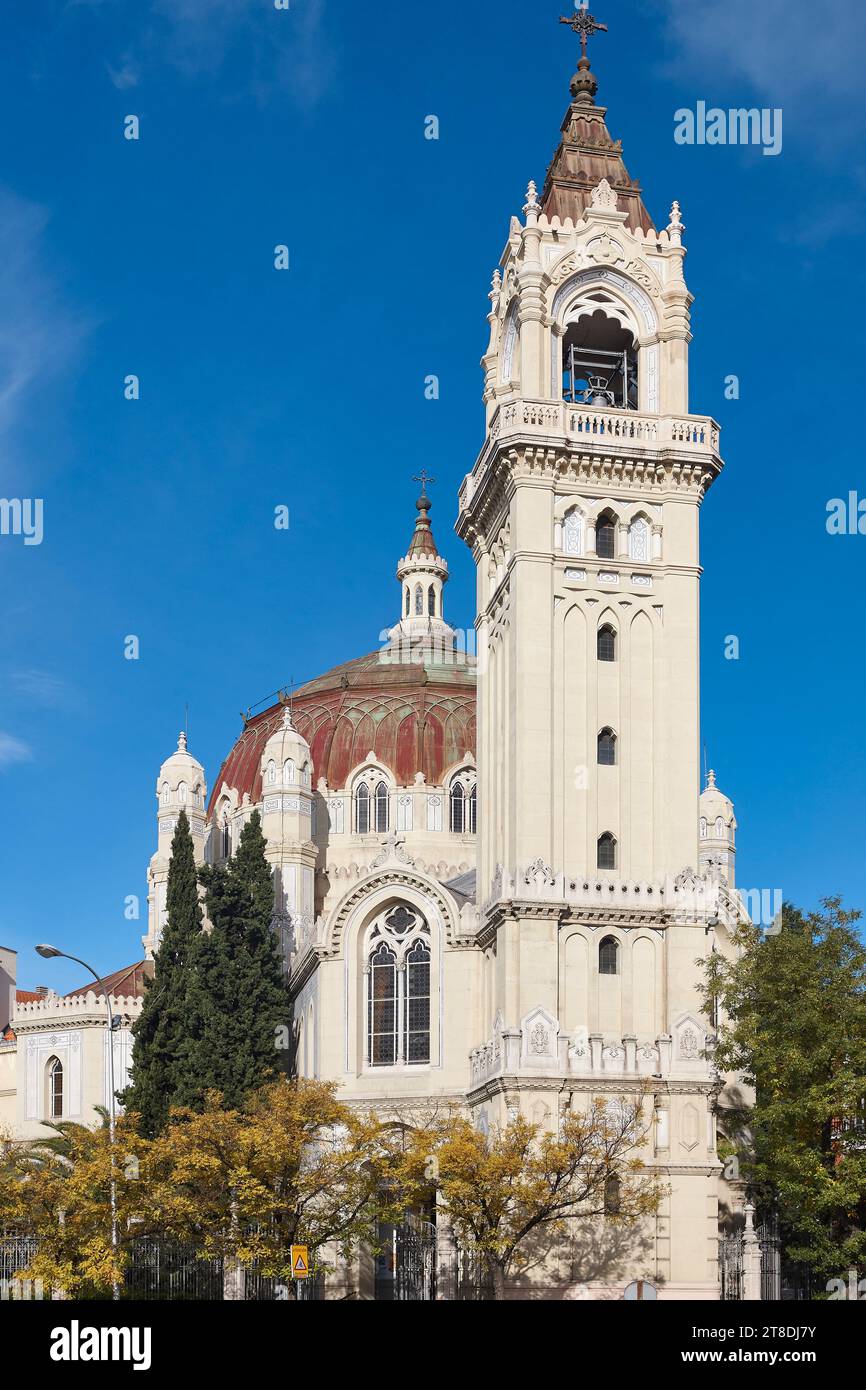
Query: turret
x=718, y=831
x=423, y=574
x=287, y=823
x=181, y=786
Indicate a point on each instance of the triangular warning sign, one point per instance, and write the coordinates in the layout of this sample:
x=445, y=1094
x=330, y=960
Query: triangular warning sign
x=300, y=1262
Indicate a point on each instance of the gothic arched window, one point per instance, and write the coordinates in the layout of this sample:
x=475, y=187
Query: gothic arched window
x=608, y=956
x=55, y=1089
x=417, y=1012
x=463, y=804
x=383, y=1007
x=457, y=809
x=165, y=794
x=362, y=810
x=419, y=601
x=607, y=851
x=182, y=793
x=607, y=643
x=408, y=600
x=272, y=771
x=703, y=827
x=289, y=770
x=607, y=748
x=225, y=834
x=381, y=809
x=431, y=602
x=399, y=989
x=605, y=536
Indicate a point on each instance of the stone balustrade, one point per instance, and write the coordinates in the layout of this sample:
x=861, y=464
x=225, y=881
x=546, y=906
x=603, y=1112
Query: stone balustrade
x=688, y=897
x=613, y=429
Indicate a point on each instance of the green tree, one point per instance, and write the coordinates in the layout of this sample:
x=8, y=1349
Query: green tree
x=793, y=1026
x=238, y=1011
x=161, y=1030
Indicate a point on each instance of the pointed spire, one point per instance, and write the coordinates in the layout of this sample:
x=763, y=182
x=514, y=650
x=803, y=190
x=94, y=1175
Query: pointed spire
x=711, y=780
x=422, y=541
x=586, y=152
x=181, y=741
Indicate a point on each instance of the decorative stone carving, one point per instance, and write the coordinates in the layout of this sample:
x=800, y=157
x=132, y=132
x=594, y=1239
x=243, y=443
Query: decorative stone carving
x=604, y=197
x=538, y=874
x=540, y=1039
x=393, y=850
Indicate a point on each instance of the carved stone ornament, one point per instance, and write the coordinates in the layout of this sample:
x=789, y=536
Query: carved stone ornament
x=604, y=197
x=392, y=849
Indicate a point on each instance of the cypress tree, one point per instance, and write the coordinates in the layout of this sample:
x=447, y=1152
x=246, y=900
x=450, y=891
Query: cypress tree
x=238, y=997
x=160, y=1032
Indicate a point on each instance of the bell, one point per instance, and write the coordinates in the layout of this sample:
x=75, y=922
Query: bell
x=598, y=393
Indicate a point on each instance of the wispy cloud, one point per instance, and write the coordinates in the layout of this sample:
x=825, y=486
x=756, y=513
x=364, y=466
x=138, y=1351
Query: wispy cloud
x=12, y=751
x=799, y=57
x=42, y=687
x=272, y=51
x=38, y=331
x=795, y=53
x=125, y=75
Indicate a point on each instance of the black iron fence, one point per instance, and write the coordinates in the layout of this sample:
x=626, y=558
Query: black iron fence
x=781, y=1280
x=166, y=1270
x=162, y=1270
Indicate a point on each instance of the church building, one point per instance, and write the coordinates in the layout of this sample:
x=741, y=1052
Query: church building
x=495, y=872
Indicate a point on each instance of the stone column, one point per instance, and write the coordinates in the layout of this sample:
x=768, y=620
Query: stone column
x=751, y=1259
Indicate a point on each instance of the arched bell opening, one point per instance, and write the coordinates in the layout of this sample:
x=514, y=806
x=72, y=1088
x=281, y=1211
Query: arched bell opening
x=599, y=363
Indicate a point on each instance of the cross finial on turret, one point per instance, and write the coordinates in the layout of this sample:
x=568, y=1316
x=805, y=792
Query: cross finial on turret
x=423, y=478
x=584, y=24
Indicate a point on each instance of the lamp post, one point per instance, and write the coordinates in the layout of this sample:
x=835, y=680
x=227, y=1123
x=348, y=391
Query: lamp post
x=49, y=953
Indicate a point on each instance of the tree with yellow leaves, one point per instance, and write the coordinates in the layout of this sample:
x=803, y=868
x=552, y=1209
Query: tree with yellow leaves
x=293, y=1167
x=522, y=1184
x=58, y=1191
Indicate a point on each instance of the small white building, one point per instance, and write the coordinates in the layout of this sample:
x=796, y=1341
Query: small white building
x=54, y=1062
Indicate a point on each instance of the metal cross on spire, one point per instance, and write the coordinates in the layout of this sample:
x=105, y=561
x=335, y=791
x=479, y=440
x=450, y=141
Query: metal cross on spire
x=423, y=478
x=584, y=24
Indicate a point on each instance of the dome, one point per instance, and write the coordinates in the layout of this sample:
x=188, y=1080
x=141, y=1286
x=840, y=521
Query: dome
x=285, y=744
x=715, y=805
x=414, y=716
x=181, y=768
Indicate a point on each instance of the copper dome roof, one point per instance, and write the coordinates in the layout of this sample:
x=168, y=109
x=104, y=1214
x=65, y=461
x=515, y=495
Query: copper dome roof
x=415, y=717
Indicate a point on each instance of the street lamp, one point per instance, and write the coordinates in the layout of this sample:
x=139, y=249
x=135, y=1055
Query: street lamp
x=50, y=953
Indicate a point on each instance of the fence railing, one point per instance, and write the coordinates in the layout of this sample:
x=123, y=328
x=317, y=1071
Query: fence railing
x=780, y=1279
x=165, y=1270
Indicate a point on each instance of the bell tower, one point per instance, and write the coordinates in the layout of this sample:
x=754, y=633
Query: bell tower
x=582, y=513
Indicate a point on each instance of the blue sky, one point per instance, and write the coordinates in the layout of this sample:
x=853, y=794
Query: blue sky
x=306, y=388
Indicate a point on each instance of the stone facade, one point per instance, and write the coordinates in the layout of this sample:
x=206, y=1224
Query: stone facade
x=511, y=921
